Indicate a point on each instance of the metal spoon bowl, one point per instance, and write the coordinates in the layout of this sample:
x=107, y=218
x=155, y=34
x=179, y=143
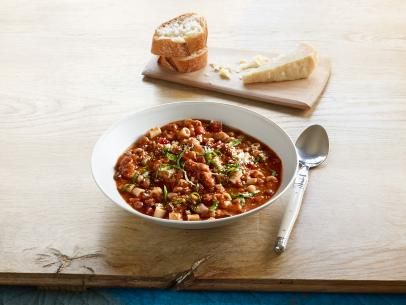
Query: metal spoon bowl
x=313, y=146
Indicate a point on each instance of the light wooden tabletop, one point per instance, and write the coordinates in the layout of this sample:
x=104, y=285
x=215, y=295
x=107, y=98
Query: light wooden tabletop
x=69, y=69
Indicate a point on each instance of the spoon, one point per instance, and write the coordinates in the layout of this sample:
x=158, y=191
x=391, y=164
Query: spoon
x=312, y=148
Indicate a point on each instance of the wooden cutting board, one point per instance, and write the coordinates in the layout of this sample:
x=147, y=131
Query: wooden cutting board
x=302, y=94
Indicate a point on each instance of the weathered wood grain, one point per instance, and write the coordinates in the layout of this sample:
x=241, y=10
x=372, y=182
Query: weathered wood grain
x=69, y=69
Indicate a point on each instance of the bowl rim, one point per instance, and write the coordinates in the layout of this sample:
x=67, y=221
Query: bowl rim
x=196, y=223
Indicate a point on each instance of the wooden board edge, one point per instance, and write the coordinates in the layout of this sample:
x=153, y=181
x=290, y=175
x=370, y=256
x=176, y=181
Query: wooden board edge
x=298, y=105
x=83, y=282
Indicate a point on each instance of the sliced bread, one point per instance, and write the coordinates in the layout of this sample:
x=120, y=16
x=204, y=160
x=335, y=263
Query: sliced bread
x=191, y=63
x=181, y=36
x=297, y=64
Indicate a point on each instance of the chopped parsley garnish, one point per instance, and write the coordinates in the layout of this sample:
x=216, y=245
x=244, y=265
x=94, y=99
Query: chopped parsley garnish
x=214, y=206
x=196, y=196
x=231, y=168
x=127, y=187
x=164, y=167
x=197, y=187
x=274, y=173
x=178, y=201
x=170, y=155
x=176, y=158
x=179, y=162
x=165, y=191
x=143, y=172
x=134, y=178
x=259, y=159
x=243, y=196
x=209, y=155
x=234, y=142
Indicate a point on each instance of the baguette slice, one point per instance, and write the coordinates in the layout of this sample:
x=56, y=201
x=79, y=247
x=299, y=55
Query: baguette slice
x=181, y=36
x=297, y=64
x=191, y=63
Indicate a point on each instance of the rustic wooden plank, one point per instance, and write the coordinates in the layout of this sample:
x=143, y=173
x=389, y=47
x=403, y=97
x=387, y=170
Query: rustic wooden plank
x=69, y=69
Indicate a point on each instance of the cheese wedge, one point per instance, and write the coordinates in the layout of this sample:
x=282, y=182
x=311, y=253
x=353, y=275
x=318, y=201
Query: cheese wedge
x=297, y=64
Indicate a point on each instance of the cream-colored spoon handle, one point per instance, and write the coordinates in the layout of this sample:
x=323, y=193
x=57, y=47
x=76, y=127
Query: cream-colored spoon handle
x=292, y=210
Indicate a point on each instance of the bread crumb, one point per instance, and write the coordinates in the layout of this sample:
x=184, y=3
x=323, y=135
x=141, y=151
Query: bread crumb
x=216, y=68
x=224, y=71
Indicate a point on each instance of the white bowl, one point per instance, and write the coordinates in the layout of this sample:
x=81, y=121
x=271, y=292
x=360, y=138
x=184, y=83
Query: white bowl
x=124, y=133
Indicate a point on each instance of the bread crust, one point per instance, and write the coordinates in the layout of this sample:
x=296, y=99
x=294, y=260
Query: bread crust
x=194, y=62
x=169, y=48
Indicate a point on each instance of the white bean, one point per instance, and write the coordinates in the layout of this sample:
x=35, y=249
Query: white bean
x=172, y=195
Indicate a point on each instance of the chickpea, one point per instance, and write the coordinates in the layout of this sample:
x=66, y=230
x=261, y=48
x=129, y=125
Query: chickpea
x=138, y=151
x=236, y=201
x=222, y=136
x=251, y=188
x=156, y=192
x=203, y=167
x=149, y=211
x=227, y=196
x=238, y=207
x=218, y=197
x=194, y=141
x=272, y=179
x=260, y=181
x=225, y=204
x=207, y=197
x=198, y=148
x=269, y=192
x=220, y=188
x=257, y=174
x=146, y=183
x=170, y=135
x=182, y=183
x=252, y=180
x=150, y=201
x=137, y=204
